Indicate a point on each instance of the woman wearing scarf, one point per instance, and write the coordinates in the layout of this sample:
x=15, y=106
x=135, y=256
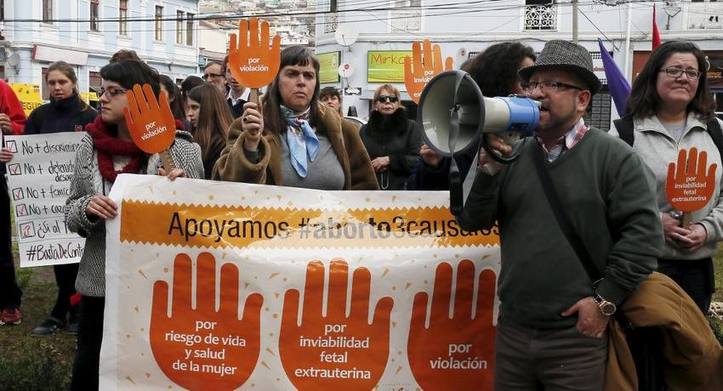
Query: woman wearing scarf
x=297, y=142
x=66, y=112
x=105, y=153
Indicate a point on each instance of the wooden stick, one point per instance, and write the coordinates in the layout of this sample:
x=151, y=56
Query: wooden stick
x=687, y=217
x=167, y=161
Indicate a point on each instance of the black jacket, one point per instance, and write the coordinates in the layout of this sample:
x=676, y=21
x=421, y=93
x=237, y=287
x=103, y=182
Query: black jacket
x=236, y=109
x=397, y=137
x=65, y=115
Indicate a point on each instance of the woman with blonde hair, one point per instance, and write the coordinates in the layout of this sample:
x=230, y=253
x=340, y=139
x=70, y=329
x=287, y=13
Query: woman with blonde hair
x=210, y=116
x=392, y=140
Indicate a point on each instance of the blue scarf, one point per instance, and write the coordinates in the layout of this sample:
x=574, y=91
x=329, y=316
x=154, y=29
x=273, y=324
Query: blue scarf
x=301, y=139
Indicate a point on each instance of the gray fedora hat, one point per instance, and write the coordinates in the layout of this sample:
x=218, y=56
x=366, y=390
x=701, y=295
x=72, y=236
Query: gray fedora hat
x=565, y=55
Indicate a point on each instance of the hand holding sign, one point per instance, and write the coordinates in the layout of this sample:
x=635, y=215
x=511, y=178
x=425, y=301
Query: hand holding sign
x=151, y=123
x=203, y=348
x=454, y=353
x=423, y=66
x=253, y=63
x=688, y=187
x=335, y=351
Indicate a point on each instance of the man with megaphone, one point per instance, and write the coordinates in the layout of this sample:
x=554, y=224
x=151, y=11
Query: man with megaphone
x=579, y=230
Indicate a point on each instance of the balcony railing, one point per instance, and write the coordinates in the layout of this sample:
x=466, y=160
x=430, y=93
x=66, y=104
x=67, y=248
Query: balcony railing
x=541, y=17
x=330, y=23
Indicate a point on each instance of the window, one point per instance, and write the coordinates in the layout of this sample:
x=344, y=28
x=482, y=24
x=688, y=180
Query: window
x=331, y=20
x=94, y=5
x=540, y=15
x=598, y=113
x=48, y=11
x=179, y=27
x=159, y=23
x=123, y=17
x=2, y=9
x=189, y=29
x=407, y=15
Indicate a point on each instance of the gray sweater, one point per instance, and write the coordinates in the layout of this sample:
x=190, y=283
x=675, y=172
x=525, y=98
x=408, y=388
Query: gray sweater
x=88, y=182
x=610, y=200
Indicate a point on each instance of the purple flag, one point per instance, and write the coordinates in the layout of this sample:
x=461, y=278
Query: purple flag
x=618, y=85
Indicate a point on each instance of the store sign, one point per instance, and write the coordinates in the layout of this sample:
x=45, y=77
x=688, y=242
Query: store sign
x=386, y=66
x=328, y=67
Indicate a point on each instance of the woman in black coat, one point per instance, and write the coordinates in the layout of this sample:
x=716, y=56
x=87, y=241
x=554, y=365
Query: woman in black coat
x=66, y=112
x=392, y=140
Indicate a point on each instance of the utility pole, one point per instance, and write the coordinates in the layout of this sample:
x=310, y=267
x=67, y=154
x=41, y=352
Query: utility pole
x=574, y=21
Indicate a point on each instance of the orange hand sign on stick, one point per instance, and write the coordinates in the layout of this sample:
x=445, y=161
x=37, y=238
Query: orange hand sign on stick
x=688, y=187
x=424, y=64
x=150, y=122
x=201, y=348
x=253, y=63
x=336, y=351
x=454, y=353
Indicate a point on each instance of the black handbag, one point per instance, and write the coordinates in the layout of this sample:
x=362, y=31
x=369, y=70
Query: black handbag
x=642, y=341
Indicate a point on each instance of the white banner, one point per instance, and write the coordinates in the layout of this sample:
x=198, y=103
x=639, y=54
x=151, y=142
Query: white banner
x=216, y=286
x=39, y=180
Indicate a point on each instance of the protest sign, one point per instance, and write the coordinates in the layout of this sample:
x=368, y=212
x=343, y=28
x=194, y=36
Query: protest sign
x=151, y=122
x=253, y=63
x=239, y=286
x=39, y=181
x=690, y=183
x=425, y=63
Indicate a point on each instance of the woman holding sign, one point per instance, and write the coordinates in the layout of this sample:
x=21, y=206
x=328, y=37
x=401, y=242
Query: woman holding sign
x=670, y=109
x=391, y=139
x=66, y=112
x=108, y=150
x=297, y=141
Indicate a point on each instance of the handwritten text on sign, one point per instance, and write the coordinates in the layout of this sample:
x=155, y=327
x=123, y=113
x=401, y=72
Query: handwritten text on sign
x=39, y=179
x=353, y=293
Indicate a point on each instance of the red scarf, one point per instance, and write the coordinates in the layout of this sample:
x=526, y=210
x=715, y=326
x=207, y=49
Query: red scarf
x=108, y=145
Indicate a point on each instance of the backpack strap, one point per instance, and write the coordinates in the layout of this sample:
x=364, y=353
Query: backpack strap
x=624, y=126
x=715, y=133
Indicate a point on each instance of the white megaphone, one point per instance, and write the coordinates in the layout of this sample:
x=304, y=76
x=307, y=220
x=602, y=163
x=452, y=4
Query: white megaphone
x=455, y=117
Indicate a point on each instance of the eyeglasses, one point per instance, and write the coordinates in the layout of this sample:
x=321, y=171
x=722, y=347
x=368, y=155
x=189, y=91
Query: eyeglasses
x=387, y=99
x=547, y=85
x=112, y=92
x=676, y=72
x=212, y=75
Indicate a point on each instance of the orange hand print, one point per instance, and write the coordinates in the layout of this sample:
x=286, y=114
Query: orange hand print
x=424, y=64
x=335, y=351
x=253, y=63
x=150, y=122
x=454, y=353
x=688, y=187
x=202, y=348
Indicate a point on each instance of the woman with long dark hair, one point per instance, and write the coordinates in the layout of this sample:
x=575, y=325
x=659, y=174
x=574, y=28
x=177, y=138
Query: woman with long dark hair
x=66, y=112
x=104, y=153
x=671, y=108
x=174, y=99
x=210, y=118
x=297, y=141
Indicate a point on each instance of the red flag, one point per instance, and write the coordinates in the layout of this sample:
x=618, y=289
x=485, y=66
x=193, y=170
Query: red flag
x=656, y=32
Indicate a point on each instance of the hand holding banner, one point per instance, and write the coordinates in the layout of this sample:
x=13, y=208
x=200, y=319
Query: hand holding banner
x=151, y=123
x=335, y=351
x=253, y=63
x=457, y=352
x=423, y=66
x=203, y=348
x=688, y=187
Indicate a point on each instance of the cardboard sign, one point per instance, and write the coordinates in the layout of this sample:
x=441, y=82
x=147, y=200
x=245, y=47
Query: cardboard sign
x=39, y=178
x=425, y=63
x=283, y=288
x=150, y=122
x=253, y=63
x=688, y=187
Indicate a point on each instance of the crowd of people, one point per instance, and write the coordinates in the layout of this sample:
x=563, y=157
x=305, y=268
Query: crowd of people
x=613, y=196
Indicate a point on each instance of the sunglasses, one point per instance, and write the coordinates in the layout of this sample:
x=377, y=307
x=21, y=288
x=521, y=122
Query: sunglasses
x=387, y=99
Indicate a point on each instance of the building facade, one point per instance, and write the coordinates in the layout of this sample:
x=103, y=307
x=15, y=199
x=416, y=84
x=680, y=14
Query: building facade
x=85, y=33
x=381, y=34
